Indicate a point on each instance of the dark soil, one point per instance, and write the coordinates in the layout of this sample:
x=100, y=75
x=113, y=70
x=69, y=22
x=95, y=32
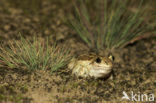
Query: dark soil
x=134, y=67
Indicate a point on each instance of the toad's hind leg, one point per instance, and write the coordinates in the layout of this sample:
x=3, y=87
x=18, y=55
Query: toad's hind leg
x=81, y=71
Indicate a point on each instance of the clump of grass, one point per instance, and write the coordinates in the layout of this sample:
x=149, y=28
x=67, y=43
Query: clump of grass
x=34, y=54
x=108, y=24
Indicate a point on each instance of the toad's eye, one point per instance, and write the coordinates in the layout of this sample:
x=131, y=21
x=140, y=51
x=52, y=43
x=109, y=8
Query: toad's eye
x=98, y=60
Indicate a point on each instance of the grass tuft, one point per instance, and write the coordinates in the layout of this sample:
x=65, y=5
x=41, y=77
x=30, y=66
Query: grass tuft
x=108, y=24
x=34, y=54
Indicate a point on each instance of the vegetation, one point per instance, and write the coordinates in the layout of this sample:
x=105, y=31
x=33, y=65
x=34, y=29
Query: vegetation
x=113, y=27
x=33, y=55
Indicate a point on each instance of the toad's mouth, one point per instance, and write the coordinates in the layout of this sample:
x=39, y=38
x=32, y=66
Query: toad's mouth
x=102, y=70
x=102, y=67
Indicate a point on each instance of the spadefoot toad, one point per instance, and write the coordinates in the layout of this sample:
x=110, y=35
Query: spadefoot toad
x=91, y=65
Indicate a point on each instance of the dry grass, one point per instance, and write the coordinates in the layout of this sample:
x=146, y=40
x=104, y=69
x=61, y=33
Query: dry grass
x=34, y=54
x=110, y=25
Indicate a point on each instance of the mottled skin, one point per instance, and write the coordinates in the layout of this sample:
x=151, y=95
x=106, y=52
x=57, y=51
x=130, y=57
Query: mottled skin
x=91, y=65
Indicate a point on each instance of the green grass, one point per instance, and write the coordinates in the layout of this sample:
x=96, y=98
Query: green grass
x=34, y=54
x=107, y=25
